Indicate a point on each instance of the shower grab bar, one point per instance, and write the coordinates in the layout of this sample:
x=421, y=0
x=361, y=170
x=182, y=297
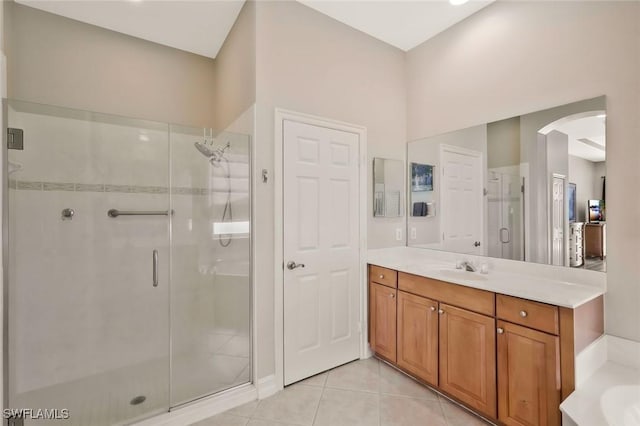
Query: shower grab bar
x=116, y=213
x=155, y=268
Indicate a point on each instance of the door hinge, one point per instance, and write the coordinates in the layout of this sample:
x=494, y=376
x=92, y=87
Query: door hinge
x=15, y=139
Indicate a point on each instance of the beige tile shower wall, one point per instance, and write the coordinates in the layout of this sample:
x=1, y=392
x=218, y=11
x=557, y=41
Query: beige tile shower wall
x=59, y=61
x=516, y=57
x=310, y=63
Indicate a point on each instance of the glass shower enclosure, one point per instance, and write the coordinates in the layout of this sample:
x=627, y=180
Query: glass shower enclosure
x=127, y=264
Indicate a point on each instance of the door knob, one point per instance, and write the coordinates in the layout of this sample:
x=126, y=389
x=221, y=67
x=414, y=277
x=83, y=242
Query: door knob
x=293, y=265
x=433, y=308
x=440, y=311
x=500, y=330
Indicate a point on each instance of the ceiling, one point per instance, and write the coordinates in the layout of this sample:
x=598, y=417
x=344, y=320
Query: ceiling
x=586, y=136
x=201, y=26
x=195, y=26
x=400, y=23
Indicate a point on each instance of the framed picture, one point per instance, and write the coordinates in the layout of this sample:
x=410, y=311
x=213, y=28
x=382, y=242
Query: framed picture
x=421, y=177
x=572, y=202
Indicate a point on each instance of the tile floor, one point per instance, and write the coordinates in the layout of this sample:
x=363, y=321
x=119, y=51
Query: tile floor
x=361, y=393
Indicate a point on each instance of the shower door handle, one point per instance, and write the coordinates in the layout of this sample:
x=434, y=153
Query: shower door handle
x=155, y=268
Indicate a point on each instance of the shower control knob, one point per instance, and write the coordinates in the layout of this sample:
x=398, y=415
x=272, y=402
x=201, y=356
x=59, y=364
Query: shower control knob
x=293, y=265
x=67, y=214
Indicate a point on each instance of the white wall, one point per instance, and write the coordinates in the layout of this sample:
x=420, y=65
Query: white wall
x=503, y=143
x=235, y=70
x=515, y=57
x=58, y=61
x=308, y=62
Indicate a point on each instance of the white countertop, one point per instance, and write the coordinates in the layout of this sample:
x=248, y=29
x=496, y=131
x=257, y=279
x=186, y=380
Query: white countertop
x=610, y=397
x=540, y=288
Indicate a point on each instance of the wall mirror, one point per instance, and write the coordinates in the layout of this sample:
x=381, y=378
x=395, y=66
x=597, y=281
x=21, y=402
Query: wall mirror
x=528, y=188
x=388, y=187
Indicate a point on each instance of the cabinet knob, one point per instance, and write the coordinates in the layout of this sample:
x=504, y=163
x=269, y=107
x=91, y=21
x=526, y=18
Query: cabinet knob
x=523, y=314
x=392, y=295
x=500, y=330
x=433, y=308
x=381, y=276
x=440, y=311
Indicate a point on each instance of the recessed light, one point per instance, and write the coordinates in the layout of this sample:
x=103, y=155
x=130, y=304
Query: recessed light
x=458, y=2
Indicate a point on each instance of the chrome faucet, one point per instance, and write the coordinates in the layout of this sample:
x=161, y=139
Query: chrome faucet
x=468, y=266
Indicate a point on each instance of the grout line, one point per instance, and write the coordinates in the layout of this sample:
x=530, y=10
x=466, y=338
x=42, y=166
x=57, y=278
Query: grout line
x=315, y=415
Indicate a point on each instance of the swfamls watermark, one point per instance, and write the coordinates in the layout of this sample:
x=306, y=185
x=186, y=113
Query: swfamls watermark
x=36, y=413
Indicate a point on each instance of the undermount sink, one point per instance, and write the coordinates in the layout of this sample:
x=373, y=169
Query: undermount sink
x=462, y=275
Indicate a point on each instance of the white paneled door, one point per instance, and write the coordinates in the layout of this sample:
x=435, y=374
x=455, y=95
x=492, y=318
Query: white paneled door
x=557, y=221
x=462, y=200
x=321, y=249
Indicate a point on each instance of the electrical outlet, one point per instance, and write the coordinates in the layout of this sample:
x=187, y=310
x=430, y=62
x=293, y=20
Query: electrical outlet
x=414, y=233
x=399, y=234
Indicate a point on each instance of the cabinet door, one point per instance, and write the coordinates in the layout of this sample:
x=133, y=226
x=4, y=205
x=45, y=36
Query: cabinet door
x=528, y=376
x=382, y=321
x=468, y=358
x=418, y=336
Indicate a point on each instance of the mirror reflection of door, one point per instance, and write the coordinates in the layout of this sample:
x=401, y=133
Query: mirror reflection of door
x=558, y=221
x=462, y=200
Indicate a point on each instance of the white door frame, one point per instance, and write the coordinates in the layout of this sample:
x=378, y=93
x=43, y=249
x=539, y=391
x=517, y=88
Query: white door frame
x=280, y=116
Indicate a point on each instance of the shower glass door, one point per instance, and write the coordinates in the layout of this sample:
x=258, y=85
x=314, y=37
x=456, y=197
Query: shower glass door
x=88, y=292
x=210, y=262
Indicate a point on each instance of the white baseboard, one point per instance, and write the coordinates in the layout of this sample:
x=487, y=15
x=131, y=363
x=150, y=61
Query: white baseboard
x=368, y=353
x=267, y=386
x=204, y=408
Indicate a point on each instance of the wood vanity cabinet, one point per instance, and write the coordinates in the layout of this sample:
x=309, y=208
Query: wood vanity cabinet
x=418, y=336
x=507, y=358
x=528, y=376
x=468, y=357
x=382, y=315
x=529, y=382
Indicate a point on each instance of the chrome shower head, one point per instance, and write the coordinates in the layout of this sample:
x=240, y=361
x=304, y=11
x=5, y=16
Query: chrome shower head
x=204, y=149
x=214, y=154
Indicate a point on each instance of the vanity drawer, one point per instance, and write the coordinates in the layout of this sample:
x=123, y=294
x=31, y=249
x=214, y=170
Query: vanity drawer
x=384, y=276
x=531, y=314
x=480, y=301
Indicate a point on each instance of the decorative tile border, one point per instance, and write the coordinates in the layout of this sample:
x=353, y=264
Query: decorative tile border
x=99, y=187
